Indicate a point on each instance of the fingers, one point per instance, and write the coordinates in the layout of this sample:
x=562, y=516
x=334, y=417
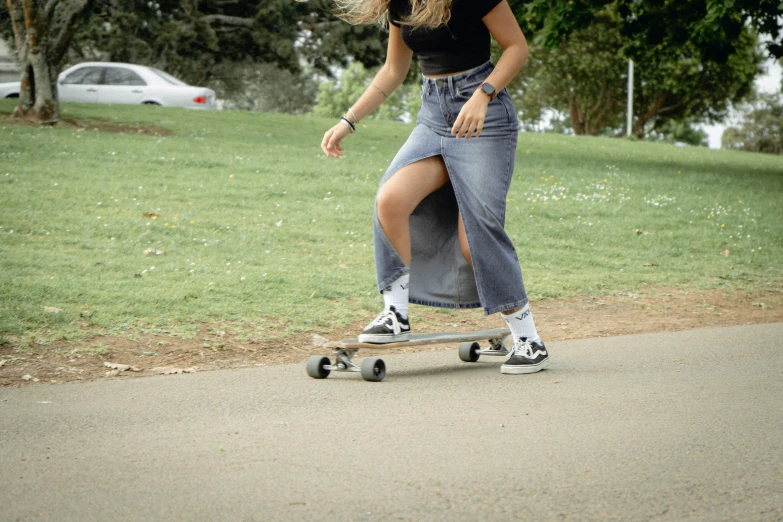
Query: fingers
x=469, y=123
x=331, y=143
x=467, y=128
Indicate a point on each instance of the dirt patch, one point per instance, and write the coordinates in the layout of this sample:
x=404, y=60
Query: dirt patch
x=557, y=320
x=93, y=124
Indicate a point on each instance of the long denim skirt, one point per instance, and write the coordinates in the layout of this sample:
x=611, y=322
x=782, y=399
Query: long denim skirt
x=480, y=171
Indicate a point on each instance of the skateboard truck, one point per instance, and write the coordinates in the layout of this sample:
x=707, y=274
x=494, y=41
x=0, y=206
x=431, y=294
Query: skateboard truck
x=374, y=369
x=343, y=362
x=470, y=351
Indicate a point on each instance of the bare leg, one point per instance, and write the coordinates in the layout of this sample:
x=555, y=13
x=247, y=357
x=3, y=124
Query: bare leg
x=401, y=194
x=463, y=241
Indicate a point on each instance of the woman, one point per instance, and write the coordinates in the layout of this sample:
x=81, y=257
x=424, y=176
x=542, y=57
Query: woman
x=440, y=209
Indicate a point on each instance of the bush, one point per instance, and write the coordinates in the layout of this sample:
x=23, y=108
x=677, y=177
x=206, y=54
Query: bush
x=762, y=128
x=265, y=88
x=334, y=98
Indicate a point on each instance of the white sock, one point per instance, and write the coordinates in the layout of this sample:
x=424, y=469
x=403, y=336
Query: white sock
x=396, y=294
x=521, y=325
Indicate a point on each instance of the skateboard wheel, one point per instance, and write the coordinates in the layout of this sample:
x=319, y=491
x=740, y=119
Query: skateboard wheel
x=469, y=352
x=373, y=370
x=315, y=367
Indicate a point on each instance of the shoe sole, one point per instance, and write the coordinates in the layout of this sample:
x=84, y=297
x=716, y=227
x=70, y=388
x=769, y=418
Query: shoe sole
x=384, y=339
x=528, y=368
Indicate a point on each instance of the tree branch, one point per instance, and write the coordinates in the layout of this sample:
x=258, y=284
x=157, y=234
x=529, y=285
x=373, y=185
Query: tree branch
x=671, y=107
x=314, y=26
x=32, y=25
x=227, y=29
x=229, y=20
x=600, y=98
x=638, y=127
x=601, y=115
x=48, y=11
x=70, y=23
x=17, y=22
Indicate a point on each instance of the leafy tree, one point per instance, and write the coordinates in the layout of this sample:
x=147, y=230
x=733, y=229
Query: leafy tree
x=711, y=26
x=191, y=39
x=761, y=129
x=334, y=98
x=683, y=131
x=223, y=43
x=268, y=88
x=42, y=32
x=582, y=77
x=585, y=76
x=326, y=41
x=676, y=84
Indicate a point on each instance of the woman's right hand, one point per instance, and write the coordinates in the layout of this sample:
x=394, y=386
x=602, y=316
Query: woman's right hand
x=331, y=142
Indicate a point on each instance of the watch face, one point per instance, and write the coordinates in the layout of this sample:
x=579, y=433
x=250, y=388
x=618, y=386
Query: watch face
x=488, y=89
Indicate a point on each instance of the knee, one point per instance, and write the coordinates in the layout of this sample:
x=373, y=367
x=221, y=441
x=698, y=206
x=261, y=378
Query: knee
x=391, y=205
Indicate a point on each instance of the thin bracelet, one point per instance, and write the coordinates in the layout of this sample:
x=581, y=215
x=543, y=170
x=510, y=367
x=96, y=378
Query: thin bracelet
x=355, y=119
x=380, y=90
x=350, y=125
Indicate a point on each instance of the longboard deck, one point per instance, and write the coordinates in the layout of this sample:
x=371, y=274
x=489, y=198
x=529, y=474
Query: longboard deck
x=426, y=338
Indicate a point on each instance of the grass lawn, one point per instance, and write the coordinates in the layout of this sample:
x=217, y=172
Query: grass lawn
x=237, y=220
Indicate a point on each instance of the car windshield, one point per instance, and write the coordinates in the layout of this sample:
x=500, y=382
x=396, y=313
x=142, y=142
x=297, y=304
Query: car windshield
x=169, y=78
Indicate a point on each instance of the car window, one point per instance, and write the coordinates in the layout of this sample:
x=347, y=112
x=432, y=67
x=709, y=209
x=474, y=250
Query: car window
x=120, y=76
x=169, y=78
x=85, y=76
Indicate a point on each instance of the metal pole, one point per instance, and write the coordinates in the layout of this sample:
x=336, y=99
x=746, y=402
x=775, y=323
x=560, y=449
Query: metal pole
x=630, y=96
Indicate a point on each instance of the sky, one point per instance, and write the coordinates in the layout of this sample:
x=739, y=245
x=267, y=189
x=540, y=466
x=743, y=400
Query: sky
x=769, y=83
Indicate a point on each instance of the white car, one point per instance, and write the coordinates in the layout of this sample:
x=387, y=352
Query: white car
x=123, y=83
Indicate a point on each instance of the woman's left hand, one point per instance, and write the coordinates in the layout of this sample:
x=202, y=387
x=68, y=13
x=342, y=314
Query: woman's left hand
x=470, y=120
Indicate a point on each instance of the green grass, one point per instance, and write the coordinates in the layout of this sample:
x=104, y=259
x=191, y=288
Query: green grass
x=262, y=236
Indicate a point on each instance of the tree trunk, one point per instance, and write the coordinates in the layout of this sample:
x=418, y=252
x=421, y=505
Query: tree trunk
x=577, y=117
x=42, y=33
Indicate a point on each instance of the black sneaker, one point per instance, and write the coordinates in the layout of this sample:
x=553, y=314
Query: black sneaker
x=526, y=357
x=388, y=327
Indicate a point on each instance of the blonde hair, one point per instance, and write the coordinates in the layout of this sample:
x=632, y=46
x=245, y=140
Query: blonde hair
x=429, y=14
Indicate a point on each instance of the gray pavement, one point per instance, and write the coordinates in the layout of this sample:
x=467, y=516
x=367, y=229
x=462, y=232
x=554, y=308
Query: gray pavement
x=676, y=426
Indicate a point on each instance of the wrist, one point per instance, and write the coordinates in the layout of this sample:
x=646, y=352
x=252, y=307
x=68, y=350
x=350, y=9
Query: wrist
x=351, y=116
x=488, y=90
x=481, y=96
x=345, y=121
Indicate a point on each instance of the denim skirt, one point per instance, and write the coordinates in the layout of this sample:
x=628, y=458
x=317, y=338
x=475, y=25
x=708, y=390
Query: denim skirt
x=480, y=171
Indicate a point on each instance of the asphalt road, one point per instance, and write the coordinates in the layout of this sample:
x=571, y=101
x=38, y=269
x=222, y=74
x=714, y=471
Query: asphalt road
x=682, y=426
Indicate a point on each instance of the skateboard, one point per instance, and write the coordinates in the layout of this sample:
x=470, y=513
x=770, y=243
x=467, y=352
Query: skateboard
x=374, y=369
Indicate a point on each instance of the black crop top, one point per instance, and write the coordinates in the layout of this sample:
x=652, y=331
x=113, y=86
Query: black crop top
x=460, y=45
